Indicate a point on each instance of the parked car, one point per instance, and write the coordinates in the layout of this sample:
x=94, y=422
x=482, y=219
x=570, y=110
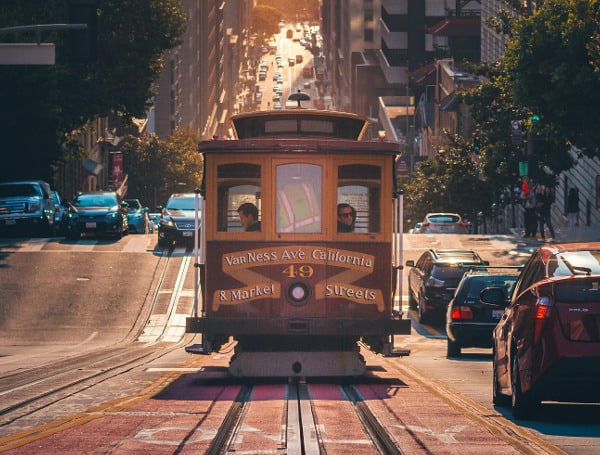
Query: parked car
x=416, y=229
x=469, y=321
x=434, y=278
x=177, y=220
x=154, y=218
x=137, y=217
x=60, y=214
x=26, y=207
x=547, y=343
x=443, y=223
x=99, y=213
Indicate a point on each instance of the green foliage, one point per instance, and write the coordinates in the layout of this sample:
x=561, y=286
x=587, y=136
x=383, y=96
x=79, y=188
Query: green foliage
x=159, y=168
x=48, y=102
x=549, y=69
x=452, y=181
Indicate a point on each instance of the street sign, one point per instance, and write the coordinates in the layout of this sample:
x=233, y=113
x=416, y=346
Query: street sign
x=516, y=132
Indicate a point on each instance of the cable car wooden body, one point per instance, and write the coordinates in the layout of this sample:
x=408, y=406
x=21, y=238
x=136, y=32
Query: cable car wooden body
x=299, y=296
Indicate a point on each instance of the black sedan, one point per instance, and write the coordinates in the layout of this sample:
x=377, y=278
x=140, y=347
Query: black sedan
x=99, y=213
x=469, y=321
x=177, y=220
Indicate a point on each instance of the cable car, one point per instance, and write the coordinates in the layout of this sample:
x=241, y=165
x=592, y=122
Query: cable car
x=313, y=277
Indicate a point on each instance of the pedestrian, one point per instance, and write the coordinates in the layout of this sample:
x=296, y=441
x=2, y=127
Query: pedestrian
x=528, y=196
x=545, y=199
x=248, y=214
x=573, y=207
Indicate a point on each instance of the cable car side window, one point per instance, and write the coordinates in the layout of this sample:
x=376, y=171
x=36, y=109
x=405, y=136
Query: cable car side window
x=359, y=185
x=238, y=183
x=299, y=189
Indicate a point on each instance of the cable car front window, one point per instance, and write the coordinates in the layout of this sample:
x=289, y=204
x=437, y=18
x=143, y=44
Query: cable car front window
x=299, y=198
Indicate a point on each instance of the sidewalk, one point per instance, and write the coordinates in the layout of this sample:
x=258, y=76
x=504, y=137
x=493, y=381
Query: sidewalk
x=565, y=234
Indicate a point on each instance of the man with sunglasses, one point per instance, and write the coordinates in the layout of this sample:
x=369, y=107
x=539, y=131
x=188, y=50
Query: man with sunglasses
x=346, y=217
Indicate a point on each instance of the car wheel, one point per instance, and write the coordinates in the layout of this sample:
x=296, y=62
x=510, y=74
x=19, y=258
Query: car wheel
x=497, y=397
x=453, y=349
x=423, y=315
x=163, y=243
x=524, y=405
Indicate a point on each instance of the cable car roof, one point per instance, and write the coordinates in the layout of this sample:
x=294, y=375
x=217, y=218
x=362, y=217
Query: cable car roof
x=299, y=123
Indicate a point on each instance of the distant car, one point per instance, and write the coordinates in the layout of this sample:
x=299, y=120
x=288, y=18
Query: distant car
x=99, y=213
x=177, y=220
x=434, y=278
x=154, y=218
x=443, y=223
x=546, y=346
x=469, y=321
x=137, y=217
x=307, y=85
x=60, y=214
x=416, y=229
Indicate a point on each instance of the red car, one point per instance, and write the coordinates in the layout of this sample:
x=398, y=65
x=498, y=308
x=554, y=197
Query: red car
x=546, y=346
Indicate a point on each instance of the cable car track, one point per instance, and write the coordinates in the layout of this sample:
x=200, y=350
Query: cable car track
x=304, y=430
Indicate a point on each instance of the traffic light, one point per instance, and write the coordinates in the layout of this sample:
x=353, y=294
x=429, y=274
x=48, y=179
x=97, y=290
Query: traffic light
x=82, y=43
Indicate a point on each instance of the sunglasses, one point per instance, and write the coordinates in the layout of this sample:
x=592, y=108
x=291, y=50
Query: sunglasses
x=345, y=214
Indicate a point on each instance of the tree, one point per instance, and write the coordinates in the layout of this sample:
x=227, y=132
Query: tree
x=47, y=103
x=551, y=67
x=157, y=168
x=451, y=181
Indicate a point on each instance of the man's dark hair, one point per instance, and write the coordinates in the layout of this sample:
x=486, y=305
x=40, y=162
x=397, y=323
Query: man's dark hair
x=248, y=208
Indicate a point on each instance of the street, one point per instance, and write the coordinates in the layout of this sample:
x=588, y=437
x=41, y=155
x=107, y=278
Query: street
x=88, y=296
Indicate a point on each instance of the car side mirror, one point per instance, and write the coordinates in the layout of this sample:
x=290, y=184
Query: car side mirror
x=493, y=296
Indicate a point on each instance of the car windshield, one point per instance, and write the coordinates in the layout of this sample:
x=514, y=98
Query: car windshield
x=444, y=272
x=443, y=219
x=20, y=189
x=133, y=204
x=575, y=262
x=479, y=283
x=95, y=200
x=181, y=203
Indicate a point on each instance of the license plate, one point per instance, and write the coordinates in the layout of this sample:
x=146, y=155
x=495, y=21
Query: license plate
x=90, y=225
x=188, y=234
x=497, y=314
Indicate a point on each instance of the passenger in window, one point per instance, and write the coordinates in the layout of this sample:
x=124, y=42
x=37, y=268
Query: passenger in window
x=248, y=214
x=346, y=217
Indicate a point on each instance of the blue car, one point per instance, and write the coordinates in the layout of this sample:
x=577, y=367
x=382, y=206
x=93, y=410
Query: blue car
x=99, y=213
x=137, y=217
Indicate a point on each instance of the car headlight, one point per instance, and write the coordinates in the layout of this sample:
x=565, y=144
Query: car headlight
x=111, y=216
x=167, y=223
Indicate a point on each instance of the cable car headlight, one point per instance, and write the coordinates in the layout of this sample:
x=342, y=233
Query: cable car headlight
x=298, y=293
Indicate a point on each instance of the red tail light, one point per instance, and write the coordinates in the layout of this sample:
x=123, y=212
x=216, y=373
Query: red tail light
x=543, y=308
x=461, y=312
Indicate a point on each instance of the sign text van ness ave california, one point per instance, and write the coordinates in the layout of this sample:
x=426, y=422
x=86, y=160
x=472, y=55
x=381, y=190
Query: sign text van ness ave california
x=306, y=254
